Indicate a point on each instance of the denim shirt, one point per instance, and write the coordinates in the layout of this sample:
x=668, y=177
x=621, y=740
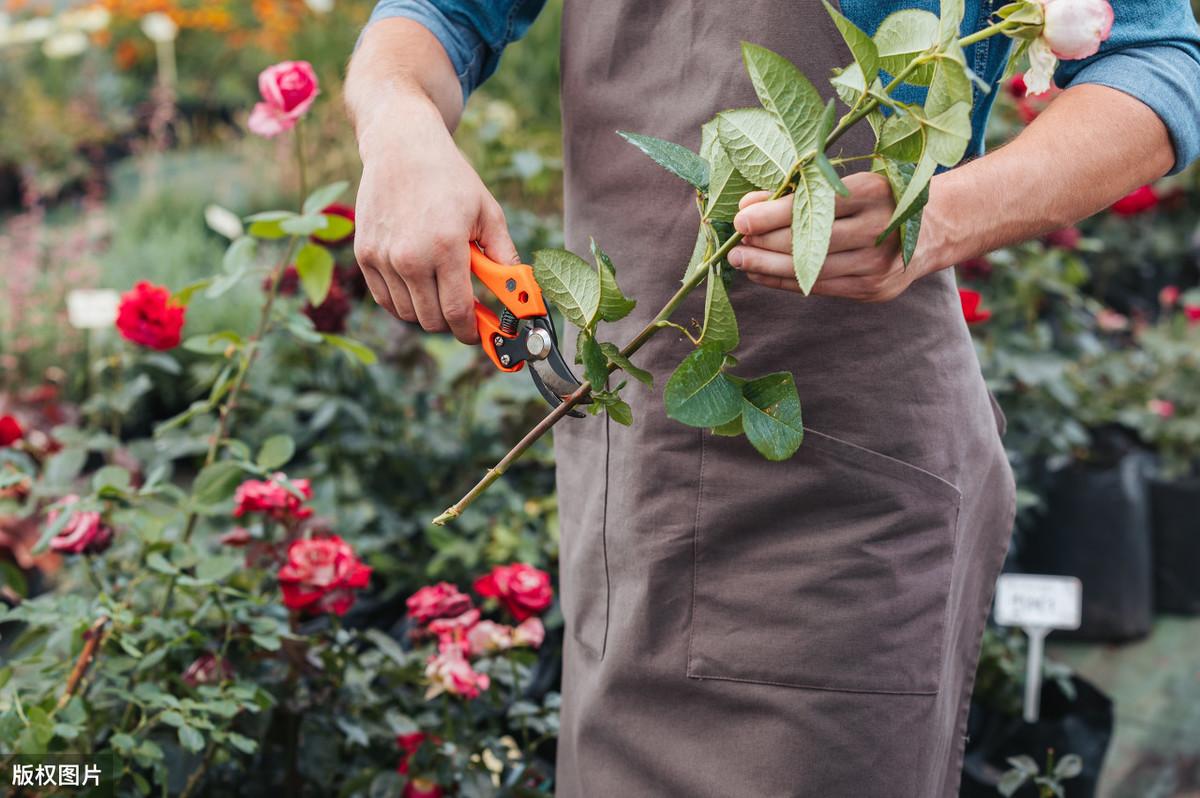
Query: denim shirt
x=1153, y=53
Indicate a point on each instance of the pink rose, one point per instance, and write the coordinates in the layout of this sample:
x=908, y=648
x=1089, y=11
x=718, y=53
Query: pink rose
x=489, y=637
x=1111, y=321
x=1136, y=202
x=530, y=633
x=288, y=90
x=453, y=632
x=1075, y=28
x=84, y=533
x=1161, y=408
x=272, y=499
x=321, y=575
x=1168, y=296
x=207, y=669
x=523, y=590
x=450, y=672
x=442, y=600
x=236, y=537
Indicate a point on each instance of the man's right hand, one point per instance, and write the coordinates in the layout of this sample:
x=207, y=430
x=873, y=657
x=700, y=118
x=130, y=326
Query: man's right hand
x=419, y=206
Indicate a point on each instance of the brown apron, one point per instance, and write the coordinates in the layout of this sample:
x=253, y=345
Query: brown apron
x=736, y=626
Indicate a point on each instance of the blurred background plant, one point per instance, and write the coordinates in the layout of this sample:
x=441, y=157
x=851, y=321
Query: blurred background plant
x=124, y=156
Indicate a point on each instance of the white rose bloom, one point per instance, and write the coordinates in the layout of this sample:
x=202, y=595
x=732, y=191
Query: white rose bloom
x=1041, y=67
x=92, y=310
x=1075, y=28
x=159, y=28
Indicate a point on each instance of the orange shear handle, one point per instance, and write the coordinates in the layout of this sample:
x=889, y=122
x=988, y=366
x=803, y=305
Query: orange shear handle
x=513, y=285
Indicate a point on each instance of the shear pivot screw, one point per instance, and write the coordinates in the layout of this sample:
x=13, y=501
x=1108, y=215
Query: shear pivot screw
x=498, y=340
x=505, y=359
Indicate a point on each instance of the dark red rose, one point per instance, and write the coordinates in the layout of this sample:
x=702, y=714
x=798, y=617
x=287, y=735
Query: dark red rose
x=352, y=280
x=330, y=316
x=975, y=269
x=1066, y=238
x=1192, y=313
x=1136, y=202
x=321, y=575
x=289, y=282
x=10, y=431
x=971, y=306
x=208, y=668
x=149, y=318
x=1016, y=86
x=523, y=590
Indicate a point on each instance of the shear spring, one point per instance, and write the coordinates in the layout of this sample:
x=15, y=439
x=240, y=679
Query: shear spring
x=508, y=322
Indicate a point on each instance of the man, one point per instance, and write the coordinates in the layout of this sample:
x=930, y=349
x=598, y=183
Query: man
x=734, y=626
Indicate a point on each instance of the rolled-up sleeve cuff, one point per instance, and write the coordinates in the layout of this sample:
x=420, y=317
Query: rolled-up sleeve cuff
x=465, y=48
x=1164, y=77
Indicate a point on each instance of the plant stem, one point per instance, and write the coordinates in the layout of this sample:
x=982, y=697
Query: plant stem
x=697, y=277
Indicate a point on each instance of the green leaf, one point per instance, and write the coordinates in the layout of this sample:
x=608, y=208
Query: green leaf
x=217, y=482
x=184, y=295
x=757, y=146
x=698, y=393
x=899, y=176
x=849, y=84
x=625, y=364
x=948, y=133
x=951, y=14
x=570, y=283
x=269, y=225
x=914, y=196
x=239, y=256
x=355, y=349
x=276, y=452
x=111, y=478
x=862, y=46
x=323, y=196
x=614, y=305
x=218, y=568
x=675, y=158
x=191, y=739
x=720, y=323
x=830, y=174
x=812, y=225
x=303, y=225
x=1025, y=764
x=217, y=343
x=1010, y=782
x=950, y=85
x=771, y=415
x=727, y=188
x=902, y=137
x=788, y=95
x=315, y=266
x=336, y=228
x=901, y=37
x=616, y=407
x=1068, y=767
x=595, y=364
x=730, y=429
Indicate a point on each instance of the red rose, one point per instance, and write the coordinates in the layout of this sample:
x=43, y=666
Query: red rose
x=10, y=431
x=1066, y=238
x=321, y=575
x=84, y=533
x=442, y=600
x=330, y=316
x=1192, y=313
x=971, y=301
x=149, y=318
x=409, y=744
x=344, y=211
x=523, y=590
x=208, y=668
x=288, y=90
x=1016, y=86
x=272, y=499
x=1137, y=201
x=289, y=282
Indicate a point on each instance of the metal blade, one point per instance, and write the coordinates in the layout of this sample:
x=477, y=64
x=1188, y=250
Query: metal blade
x=552, y=376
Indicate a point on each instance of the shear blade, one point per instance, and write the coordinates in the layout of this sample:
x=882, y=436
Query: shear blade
x=552, y=376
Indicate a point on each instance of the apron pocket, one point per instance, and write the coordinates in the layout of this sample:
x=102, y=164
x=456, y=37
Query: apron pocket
x=828, y=571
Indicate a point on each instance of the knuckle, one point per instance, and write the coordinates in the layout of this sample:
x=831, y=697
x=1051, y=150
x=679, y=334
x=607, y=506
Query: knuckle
x=459, y=313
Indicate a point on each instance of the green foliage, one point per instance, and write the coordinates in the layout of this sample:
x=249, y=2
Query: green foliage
x=675, y=158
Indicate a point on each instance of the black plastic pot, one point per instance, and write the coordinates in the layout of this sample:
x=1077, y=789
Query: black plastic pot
x=1176, y=514
x=1082, y=725
x=1097, y=527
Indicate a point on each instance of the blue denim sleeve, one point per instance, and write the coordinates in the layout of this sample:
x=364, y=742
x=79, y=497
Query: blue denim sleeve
x=1153, y=54
x=473, y=32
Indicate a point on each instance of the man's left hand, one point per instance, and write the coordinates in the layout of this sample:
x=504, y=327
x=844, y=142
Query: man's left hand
x=854, y=268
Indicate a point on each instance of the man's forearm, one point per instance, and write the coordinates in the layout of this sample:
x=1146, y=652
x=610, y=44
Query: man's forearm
x=400, y=63
x=1090, y=147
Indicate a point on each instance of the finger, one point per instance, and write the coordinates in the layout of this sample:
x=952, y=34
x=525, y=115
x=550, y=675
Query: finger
x=401, y=299
x=866, y=189
x=493, y=236
x=763, y=217
x=761, y=261
x=777, y=240
x=456, y=298
x=378, y=288
x=783, y=283
x=423, y=290
x=858, y=232
x=855, y=263
x=752, y=198
x=861, y=289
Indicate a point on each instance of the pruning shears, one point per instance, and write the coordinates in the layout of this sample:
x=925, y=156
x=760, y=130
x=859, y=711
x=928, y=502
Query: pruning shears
x=523, y=332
